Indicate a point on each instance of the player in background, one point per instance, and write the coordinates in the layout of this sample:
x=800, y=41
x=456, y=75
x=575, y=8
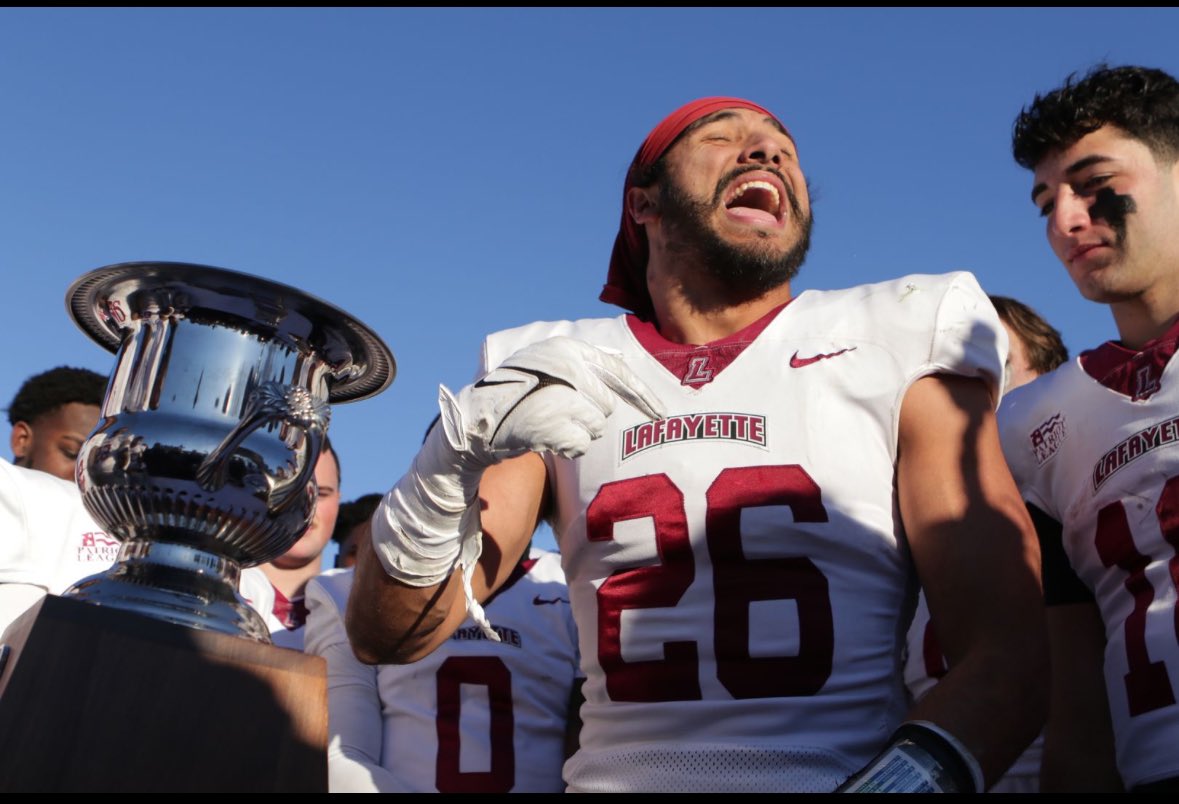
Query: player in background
x=276, y=590
x=1035, y=349
x=475, y=716
x=352, y=528
x=51, y=415
x=1035, y=346
x=48, y=540
x=1095, y=445
x=740, y=482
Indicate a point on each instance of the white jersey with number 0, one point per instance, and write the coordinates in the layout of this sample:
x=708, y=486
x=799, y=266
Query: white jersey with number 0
x=475, y=716
x=738, y=570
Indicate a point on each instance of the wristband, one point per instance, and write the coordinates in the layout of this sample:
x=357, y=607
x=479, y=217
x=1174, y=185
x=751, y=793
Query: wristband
x=921, y=757
x=962, y=752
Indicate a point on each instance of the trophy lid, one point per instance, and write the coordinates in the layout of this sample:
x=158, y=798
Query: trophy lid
x=104, y=301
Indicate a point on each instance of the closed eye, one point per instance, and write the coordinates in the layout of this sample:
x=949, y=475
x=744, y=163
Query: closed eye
x=1046, y=210
x=1095, y=182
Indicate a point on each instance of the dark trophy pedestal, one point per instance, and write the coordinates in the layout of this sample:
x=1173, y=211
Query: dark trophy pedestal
x=98, y=700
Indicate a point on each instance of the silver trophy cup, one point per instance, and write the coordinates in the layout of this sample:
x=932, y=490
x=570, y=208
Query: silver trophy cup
x=203, y=459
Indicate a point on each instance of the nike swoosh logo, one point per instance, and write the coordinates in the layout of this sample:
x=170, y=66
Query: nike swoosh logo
x=540, y=601
x=799, y=362
x=487, y=383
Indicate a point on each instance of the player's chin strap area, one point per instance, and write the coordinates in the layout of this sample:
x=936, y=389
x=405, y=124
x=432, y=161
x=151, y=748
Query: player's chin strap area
x=921, y=757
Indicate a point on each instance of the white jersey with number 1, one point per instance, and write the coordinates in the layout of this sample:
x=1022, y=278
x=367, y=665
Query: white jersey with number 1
x=1095, y=446
x=738, y=570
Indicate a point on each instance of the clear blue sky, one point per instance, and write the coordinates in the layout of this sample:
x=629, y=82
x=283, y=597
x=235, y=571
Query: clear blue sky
x=443, y=173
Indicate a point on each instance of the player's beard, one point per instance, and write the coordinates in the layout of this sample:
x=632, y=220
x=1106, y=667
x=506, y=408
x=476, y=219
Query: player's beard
x=749, y=270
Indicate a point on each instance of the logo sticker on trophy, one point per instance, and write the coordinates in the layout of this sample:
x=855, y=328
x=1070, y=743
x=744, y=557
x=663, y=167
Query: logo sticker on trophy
x=202, y=464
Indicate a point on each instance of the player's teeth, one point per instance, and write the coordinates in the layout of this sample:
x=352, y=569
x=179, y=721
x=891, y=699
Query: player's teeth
x=758, y=185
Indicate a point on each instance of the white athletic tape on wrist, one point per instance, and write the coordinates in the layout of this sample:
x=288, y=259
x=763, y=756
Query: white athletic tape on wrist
x=553, y=396
x=428, y=525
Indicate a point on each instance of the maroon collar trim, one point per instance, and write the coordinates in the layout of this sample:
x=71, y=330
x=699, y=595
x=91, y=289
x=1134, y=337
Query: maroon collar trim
x=697, y=365
x=1137, y=375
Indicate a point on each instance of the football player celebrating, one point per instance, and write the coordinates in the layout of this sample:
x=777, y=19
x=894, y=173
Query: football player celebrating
x=1095, y=444
x=740, y=483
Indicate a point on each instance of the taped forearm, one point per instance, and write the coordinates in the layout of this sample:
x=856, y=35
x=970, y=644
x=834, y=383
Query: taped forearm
x=428, y=524
x=421, y=525
x=551, y=396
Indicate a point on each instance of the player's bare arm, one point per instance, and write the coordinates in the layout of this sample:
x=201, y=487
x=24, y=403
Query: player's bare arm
x=391, y=622
x=978, y=559
x=1078, y=744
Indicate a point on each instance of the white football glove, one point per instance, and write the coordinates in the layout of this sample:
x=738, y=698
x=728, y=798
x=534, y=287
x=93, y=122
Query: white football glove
x=552, y=396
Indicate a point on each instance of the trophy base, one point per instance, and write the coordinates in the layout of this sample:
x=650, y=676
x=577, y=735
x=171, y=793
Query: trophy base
x=94, y=699
x=177, y=584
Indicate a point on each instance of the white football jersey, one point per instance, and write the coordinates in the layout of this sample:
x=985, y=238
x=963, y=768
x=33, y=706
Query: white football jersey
x=738, y=570
x=48, y=540
x=475, y=716
x=1101, y=458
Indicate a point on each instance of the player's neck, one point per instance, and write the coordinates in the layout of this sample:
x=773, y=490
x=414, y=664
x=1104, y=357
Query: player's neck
x=1146, y=317
x=291, y=582
x=682, y=318
x=702, y=328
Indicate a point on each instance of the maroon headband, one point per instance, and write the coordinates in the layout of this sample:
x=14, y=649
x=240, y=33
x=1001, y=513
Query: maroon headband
x=626, y=282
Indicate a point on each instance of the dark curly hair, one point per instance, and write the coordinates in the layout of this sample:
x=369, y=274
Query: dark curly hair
x=1141, y=101
x=46, y=392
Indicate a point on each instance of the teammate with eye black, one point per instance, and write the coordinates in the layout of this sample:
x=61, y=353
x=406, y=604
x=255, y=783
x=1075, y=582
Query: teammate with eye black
x=1095, y=445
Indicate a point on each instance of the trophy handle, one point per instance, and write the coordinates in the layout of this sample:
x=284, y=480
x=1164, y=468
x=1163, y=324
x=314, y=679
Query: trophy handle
x=281, y=496
x=272, y=403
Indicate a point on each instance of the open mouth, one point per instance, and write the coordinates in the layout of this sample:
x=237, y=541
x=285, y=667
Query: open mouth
x=755, y=200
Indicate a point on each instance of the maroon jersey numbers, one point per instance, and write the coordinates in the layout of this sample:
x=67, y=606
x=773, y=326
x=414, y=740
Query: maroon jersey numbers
x=1147, y=686
x=489, y=671
x=738, y=582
